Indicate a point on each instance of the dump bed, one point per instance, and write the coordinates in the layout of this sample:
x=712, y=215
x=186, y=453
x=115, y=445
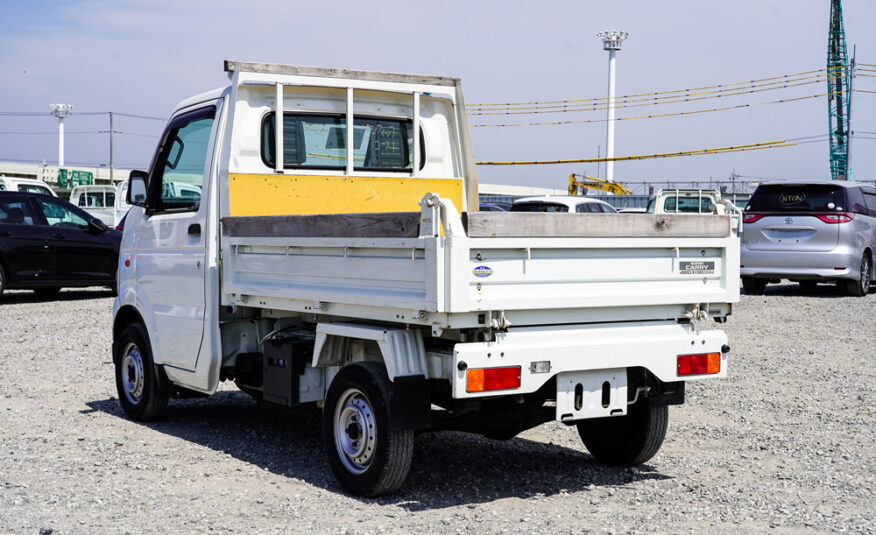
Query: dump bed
x=530, y=268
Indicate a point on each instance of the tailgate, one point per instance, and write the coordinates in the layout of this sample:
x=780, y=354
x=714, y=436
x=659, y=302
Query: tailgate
x=595, y=260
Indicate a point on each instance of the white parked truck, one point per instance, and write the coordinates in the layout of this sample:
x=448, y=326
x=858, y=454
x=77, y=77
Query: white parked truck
x=358, y=276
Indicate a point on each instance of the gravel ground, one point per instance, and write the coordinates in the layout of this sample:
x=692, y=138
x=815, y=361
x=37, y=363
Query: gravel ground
x=786, y=444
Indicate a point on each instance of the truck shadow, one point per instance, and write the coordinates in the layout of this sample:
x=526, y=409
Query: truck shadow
x=448, y=468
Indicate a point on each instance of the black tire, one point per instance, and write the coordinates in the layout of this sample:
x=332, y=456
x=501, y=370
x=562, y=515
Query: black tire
x=367, y=457
x=754, y=286
x=626, y=440
x=46, y=292
x=860, y=286
x=143, y=390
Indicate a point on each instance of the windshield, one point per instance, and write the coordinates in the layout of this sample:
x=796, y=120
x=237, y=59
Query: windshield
x=538, y=206
x=796, y=198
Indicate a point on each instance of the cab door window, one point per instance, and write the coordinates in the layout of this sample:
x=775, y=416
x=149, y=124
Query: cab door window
x=178, y=173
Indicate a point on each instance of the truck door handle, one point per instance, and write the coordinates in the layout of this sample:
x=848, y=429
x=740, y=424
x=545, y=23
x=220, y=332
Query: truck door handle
x=195, y=229
x=59, y=236
x=5, y=234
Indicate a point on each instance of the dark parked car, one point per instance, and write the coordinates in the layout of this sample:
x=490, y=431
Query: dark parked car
x=46, y=244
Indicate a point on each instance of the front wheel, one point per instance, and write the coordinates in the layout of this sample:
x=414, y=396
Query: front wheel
x=367, y=457
x=626, y=440
x=143, y=393
x=860, y=286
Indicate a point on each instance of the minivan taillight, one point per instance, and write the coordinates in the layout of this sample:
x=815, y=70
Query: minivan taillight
x=751, y=217
x=841, y=217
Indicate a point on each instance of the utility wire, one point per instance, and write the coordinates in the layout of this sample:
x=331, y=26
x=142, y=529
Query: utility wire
x=675, y=101
x=481, y=110
x=652, y=116
x=729, y=85
x=48, y=114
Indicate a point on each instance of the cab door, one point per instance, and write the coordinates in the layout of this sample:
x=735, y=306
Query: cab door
x=170, y=248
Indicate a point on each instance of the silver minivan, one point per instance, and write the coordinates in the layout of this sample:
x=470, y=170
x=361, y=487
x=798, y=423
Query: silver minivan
x=809, y=232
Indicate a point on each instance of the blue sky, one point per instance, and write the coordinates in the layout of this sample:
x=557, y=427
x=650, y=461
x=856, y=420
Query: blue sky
x=143, y=57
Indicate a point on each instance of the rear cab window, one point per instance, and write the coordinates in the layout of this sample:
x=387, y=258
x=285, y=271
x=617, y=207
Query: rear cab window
x=687, y=205
x=319, y=141
x=797, y=198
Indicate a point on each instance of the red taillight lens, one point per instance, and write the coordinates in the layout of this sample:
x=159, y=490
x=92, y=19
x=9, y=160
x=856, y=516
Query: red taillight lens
x=485, y=379
x=840, y=217
x=699, y=364
x=120, y=226
x=751, y=217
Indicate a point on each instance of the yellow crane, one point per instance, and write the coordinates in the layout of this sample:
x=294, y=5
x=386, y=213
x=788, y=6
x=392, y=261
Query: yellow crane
x=578, y=183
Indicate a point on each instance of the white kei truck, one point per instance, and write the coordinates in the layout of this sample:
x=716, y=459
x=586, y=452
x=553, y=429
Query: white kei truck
x=357, y=277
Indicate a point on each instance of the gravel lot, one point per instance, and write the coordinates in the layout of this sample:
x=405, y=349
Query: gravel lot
x=786, y=444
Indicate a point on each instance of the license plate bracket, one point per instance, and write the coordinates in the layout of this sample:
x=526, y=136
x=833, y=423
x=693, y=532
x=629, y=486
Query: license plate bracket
x=591, y=394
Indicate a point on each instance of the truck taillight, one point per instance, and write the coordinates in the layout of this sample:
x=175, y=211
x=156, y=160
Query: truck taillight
x=751, y=217
x=699, y=364
x=841, y=217
x=486, y=379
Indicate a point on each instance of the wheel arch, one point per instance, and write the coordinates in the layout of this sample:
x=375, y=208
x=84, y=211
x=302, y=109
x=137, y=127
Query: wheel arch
x=126, y=315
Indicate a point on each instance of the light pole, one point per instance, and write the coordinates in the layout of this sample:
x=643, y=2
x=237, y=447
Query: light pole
x=611, y=41
x=61, y=111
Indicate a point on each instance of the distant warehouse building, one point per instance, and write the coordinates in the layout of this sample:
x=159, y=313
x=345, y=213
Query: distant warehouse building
x=63, y=179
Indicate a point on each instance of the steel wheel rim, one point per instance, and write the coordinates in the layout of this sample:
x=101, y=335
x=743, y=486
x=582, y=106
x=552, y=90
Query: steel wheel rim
x=132, y=373
x=355, y=431
x=865, y=275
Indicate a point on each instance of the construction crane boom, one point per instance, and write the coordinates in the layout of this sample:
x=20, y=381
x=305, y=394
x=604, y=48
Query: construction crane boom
x=577, y=187
x=838, y=94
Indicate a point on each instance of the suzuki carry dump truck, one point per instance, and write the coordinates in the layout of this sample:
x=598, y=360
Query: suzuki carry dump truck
x=335, y=257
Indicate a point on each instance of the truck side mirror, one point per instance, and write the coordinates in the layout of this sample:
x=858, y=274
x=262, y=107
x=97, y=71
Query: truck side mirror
x=136, y=194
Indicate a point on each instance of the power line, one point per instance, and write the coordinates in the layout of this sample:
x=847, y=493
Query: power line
x=729, y=85
x=48, y=114
x=651, y=116
x=666, y=99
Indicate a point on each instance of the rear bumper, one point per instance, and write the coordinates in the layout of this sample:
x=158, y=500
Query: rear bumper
x=840, y=263
x=577, y=348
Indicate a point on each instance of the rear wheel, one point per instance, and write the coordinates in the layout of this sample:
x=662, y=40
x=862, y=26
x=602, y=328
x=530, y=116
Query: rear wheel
x=143, y=393
x=860, y=286
x=626, y=440
x=367, y=457
x=754, y=286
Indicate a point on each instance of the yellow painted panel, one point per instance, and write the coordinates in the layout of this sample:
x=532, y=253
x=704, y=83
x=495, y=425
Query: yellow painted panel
x=257, y=194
